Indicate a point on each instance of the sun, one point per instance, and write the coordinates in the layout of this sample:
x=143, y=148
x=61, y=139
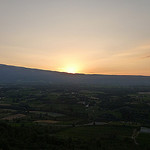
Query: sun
x=71, y=69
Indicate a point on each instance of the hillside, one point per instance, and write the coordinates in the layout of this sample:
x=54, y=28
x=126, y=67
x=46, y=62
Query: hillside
x=13, y=74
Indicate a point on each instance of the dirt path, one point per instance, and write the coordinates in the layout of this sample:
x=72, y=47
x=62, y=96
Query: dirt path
x=135, y=135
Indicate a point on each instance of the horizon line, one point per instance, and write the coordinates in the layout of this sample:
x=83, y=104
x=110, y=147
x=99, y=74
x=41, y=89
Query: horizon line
x=71, y=73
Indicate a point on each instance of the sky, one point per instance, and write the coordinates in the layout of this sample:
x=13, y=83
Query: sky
x=81, y=36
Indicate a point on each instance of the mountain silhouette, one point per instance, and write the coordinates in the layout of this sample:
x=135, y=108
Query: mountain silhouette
x=21, y=75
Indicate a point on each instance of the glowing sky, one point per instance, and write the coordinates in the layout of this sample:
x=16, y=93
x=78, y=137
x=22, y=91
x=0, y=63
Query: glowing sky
x=91, y=36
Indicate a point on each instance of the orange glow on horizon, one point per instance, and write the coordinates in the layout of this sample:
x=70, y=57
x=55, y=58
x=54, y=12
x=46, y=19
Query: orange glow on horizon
x=70, y=69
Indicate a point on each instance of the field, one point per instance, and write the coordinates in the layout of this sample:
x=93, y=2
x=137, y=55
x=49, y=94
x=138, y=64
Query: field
x=75, y=117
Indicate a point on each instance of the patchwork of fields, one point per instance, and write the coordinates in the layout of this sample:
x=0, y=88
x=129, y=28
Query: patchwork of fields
x=76, y=117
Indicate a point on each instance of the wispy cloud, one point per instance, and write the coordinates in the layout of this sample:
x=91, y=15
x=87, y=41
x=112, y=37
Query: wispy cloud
x=145, y=57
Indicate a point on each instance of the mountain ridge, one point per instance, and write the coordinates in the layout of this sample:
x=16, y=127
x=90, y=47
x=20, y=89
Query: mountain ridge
x=70, y=73
x=17, y=74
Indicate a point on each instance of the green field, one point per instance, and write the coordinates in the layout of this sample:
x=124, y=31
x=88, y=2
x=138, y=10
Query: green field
x=65, y=117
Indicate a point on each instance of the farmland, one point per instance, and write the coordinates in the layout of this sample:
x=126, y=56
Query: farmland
x=74, y=116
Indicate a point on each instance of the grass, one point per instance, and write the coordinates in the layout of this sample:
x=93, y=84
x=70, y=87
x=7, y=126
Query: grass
x=108, y=137
x=88, y=132
x=52, y=114
x=144, y=140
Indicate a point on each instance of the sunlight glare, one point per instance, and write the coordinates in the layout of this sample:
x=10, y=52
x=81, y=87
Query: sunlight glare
x=71, y=69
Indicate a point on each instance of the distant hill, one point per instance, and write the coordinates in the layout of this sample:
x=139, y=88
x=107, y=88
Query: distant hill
x=14, y=75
